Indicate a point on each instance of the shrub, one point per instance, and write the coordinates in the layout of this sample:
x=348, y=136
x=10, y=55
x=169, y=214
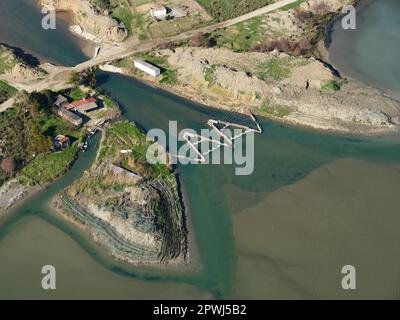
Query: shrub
x=331, y=85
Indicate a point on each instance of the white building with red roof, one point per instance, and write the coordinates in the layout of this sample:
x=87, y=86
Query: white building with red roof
x=83, y=106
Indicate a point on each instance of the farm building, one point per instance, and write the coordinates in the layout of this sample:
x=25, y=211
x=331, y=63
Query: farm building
x=158, y=12
x=60, y=102
x=118, y=171
x=69, y=116
x=83, y=106
x=148, y=68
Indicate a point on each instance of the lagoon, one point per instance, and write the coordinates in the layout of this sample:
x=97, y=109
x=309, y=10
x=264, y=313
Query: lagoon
x=315, y=203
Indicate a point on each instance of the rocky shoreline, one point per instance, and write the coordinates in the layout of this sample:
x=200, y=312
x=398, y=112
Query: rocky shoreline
x=305, y=106
x=12, y=194
x=102, y=26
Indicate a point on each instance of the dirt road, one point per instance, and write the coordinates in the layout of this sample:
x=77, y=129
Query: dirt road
x=59, y=76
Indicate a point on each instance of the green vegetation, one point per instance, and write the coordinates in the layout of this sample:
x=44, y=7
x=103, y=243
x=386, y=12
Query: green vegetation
x=119, y=10
x=279, y=68
x=123, y=135
x=77, y=94
x=293, y=5
x=6, y=91
x=274, y=110
x=266, y=32
x=169, y=77
x=47, y=167
x=242, y=36
x=75, y=78
x=209, y=75
x=7, y=59
x=123, y=12
x=331, y=85
x=110, y=103
x=123, y=63
x=228, y=9
x=141, y=26
x=150, y=57
x=274, y=68
x=156, y=210
x=26, y=132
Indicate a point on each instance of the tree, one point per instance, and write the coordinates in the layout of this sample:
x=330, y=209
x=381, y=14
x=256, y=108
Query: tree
x=75, y=78
x=8, y=165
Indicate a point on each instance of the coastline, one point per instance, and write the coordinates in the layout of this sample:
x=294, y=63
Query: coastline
x=297, y=119
x=94, y=236
x=87, y=46
x=183, y=262
x=360, y=5
x=67, y=16
x=194, y=97
x=300, y=164
x=28, y=193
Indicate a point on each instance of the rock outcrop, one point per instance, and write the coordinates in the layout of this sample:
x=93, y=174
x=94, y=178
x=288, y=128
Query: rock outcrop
x=88, y=17
x=296, y=89
x=323, y=6
x=15, y=68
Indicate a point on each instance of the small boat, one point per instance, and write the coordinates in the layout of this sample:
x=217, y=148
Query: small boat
x=83, y=146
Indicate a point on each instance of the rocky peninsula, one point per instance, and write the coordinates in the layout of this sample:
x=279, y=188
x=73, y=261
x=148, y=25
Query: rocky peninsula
x=129, y=206
x=90, y=20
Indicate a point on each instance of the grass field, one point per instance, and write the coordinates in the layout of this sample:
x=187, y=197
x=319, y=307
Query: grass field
x=123, y=135
x=243, y=36
x=228, y=9
x=6, y=91
x=77, y=94
x=47, y=167
x=273, y=110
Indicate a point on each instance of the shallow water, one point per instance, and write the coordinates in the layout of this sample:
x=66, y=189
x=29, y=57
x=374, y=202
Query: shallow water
x=370, y=53
x=315, y=203
x=249, y=246
x=232, y=221
x=21, y=26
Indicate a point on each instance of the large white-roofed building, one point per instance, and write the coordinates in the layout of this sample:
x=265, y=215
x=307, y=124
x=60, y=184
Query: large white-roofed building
x=148, y=68
x=158, y=12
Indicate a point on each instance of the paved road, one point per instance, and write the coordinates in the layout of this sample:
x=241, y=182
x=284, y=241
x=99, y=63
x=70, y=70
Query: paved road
x=60, y=76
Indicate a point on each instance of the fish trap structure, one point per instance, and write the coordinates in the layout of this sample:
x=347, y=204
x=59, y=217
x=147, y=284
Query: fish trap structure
x=220, y=136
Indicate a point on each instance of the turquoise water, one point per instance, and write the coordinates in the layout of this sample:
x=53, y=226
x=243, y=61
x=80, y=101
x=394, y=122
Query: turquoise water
x=283, y=156
x=314, y=203
x=221, y=208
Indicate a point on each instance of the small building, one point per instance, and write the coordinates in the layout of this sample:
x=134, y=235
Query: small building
x=158, y=12
x=61, y=142
x=118, y=171
x=83, y=106
x=60, y=102
x=68, y=115
x=148, y=68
